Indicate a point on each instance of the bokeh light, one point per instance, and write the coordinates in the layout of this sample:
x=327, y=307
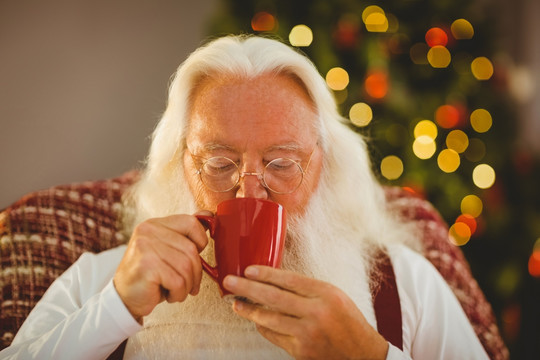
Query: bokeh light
x=462, y=29
x=371, y=9
x=447, y=116
x=481, y=120
x=301, y=35
x=534, y=260
x=483, y=176
x=534, y=264
x=436, y=37
x=361, y=114
x=482, y=68
x=375, y=19
x=391, y=167
x=457, y=140
x=468, y=220
x=376, y=84
x=472, y=205
x=439, y=56
x=263, y=21
x=459, y=234
x=418, y=53
x=337, y=78
x=476, y=150
x=448, y=160
x=424, y=147
x=427, y=128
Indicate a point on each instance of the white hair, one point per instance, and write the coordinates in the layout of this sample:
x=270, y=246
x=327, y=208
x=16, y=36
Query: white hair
x=348, y=188
x=346, y=220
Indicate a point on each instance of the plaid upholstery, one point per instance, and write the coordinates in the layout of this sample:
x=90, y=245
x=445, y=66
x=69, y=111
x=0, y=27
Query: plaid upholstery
x=43, y=233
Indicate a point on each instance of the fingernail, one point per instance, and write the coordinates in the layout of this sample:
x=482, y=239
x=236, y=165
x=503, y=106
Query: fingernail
x=251, y=271
x=238, y=305
x=230, y=281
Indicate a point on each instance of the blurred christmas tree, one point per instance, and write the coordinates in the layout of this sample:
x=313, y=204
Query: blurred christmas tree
x=424, y=81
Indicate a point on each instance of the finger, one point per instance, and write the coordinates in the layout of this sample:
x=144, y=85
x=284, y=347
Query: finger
x=185, y=262
x=287, y=280
x=285, y=342
x=173, y=284
x=266, y=294
x=275, y=321
x=167, y=241
x=188, y=226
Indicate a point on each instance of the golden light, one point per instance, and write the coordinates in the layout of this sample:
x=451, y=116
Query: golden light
x=448, y=160
x=263, y=21
x=472, y=205
x=426, y=128
x=337, y=78
x=391, y=167
x=459, y=234
x=360, y=114
x=436, y=36
x=372, y=9
x=439, y=57
x=462, y=29
x=481, y=120
x=476, y=150
x=482, y=68
x=418, y=53
x=483, y=176
x=457, y=140
x=424, y=147
x=447, y=116
x=376, y=22
x=376, y=84
x=375, y=19
x=301, y=35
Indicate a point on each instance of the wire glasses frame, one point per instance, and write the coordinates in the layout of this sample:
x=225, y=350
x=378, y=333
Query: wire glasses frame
x=280, y=176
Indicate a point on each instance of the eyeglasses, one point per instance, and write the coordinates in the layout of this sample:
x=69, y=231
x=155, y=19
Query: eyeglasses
x=281, y=175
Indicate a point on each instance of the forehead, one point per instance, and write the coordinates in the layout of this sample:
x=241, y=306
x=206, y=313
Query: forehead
x=265, y=111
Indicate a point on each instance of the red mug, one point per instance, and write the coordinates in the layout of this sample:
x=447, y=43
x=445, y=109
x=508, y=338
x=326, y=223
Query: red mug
x=246, y=231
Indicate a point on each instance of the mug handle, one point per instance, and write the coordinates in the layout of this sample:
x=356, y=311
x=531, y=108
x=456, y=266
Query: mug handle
x=209, y=222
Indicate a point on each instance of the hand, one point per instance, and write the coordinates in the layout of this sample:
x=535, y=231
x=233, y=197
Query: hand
x=161, y=263
x=308, y=318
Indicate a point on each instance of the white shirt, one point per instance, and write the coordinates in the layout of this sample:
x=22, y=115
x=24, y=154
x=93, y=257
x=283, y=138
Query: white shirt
x=81, y=316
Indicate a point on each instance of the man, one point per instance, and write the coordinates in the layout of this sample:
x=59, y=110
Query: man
x=249, y=102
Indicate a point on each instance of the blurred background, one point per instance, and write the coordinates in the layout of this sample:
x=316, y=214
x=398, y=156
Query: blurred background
x=447, y=92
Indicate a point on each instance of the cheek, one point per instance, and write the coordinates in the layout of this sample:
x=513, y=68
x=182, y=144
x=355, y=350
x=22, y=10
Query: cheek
x=296, y=203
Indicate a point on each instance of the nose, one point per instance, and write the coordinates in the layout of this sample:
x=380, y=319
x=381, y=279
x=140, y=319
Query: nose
x=251, y=186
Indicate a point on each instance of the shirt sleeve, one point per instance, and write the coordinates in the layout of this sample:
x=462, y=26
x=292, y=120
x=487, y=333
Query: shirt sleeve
x=76, y=321
x=434, y=323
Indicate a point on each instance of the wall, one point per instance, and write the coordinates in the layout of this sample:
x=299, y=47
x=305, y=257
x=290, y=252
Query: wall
x=82, y=84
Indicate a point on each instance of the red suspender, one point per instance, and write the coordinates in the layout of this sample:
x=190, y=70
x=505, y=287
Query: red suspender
x=386, y=302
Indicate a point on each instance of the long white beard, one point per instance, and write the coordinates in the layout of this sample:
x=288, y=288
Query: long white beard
x=205, y=327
